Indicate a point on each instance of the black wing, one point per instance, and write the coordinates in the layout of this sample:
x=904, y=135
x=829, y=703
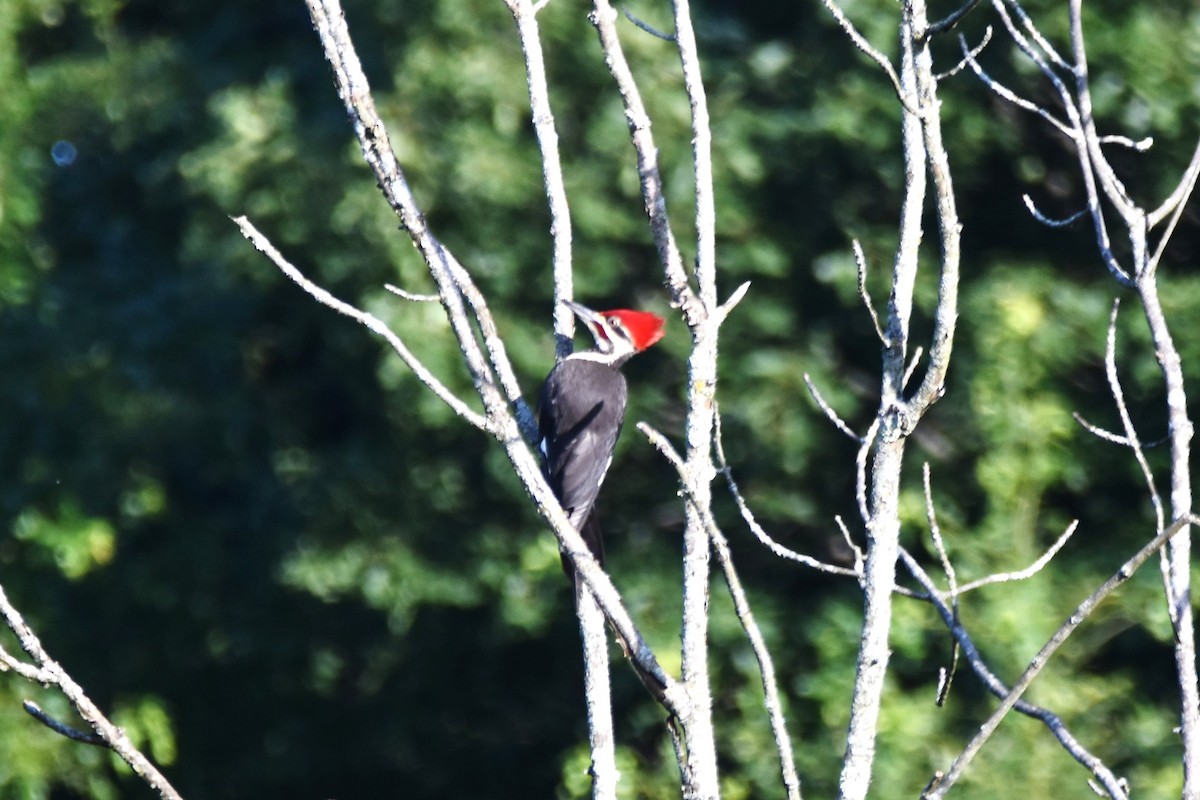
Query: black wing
x=582, y=407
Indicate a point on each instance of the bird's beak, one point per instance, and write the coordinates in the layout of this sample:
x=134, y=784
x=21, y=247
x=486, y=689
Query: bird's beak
x=583, y=312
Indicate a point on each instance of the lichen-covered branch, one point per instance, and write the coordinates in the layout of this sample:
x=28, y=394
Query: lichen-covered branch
x=48, y=672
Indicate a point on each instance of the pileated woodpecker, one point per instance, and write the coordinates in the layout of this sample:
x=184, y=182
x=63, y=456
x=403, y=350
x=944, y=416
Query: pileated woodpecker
x=581, y=408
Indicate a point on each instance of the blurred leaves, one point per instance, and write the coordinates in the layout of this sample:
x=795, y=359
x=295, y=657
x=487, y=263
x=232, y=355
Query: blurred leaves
x=287, y=569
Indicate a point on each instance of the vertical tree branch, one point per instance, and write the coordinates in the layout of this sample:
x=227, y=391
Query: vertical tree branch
x=698, y=469
x=1102, y=183
x=525, y=16
x=596, y=669
x=898, y=416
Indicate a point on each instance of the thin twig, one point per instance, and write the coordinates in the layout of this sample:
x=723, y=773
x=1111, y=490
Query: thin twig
x=948, y=22
x=369, y=321
x=828, y=410
x=416, y=298
x=732, y=301
x=867, y=48
x=1048, y=221
x=1039, y=661
x=1181, y=196
x=1099, y=432
x=966, y=60
x=1141, y=145
x=860, y=260
x=860, y=471
x=1027, y=572
x=850, y=543
x=1041, y=40
x=1131, y=437
x=994, y=685
x=1008, y=94
x=946, y=678
x=35, y=711
x=747, y=515
x=666, y=37
x=1182, y=191
x=51, y=673
x=913, y=363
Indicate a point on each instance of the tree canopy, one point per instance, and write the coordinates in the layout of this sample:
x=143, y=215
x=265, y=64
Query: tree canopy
x=289, y=570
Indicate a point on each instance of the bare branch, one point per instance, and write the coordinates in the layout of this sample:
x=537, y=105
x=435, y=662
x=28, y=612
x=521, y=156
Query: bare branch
x=29, y=672
x=666, y=37
x=1177, y=202
x=1027, y=572
x=948, y=23
x=1099, y=432
x=369, y=321
x=994, y=685
x=1039, y=661
x=732, y=302
x=860, y=473
x=1093, y=168
x=946, y=675
x=51, y=673
x=1141, y=145
x=416, y=298
x=724, y=469
x=525, y=15
x=935, y=533
x=454, y=285
x=1181, y=193
x=603, y=17
x=766, y=667
x=1047, y=221
x=913, y=363
x=50, y=722
x=1131, y=437
x=1041, y=41
x=860, y=261
x=1008, y=94
x=867, y=48
x=828, y=410
x=966, y=60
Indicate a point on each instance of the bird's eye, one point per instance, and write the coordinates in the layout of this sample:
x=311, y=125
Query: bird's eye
x=619, y=328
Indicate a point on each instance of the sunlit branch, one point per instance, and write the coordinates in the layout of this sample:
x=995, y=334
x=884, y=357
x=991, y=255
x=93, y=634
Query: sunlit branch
x=369, y=321
x=1131, y=437
x=997, y=687
x=50, y=673
x=1047, y=221
x=603, y=17
x=1022, y=574
x=860, y=261
x=867, y=48
x=969, y=57
x=416, y=298
x=939, y=787
x=525, y=15
x=827, y=409
x=745, y=615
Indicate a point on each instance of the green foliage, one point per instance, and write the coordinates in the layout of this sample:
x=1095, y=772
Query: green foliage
x=287, y=569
